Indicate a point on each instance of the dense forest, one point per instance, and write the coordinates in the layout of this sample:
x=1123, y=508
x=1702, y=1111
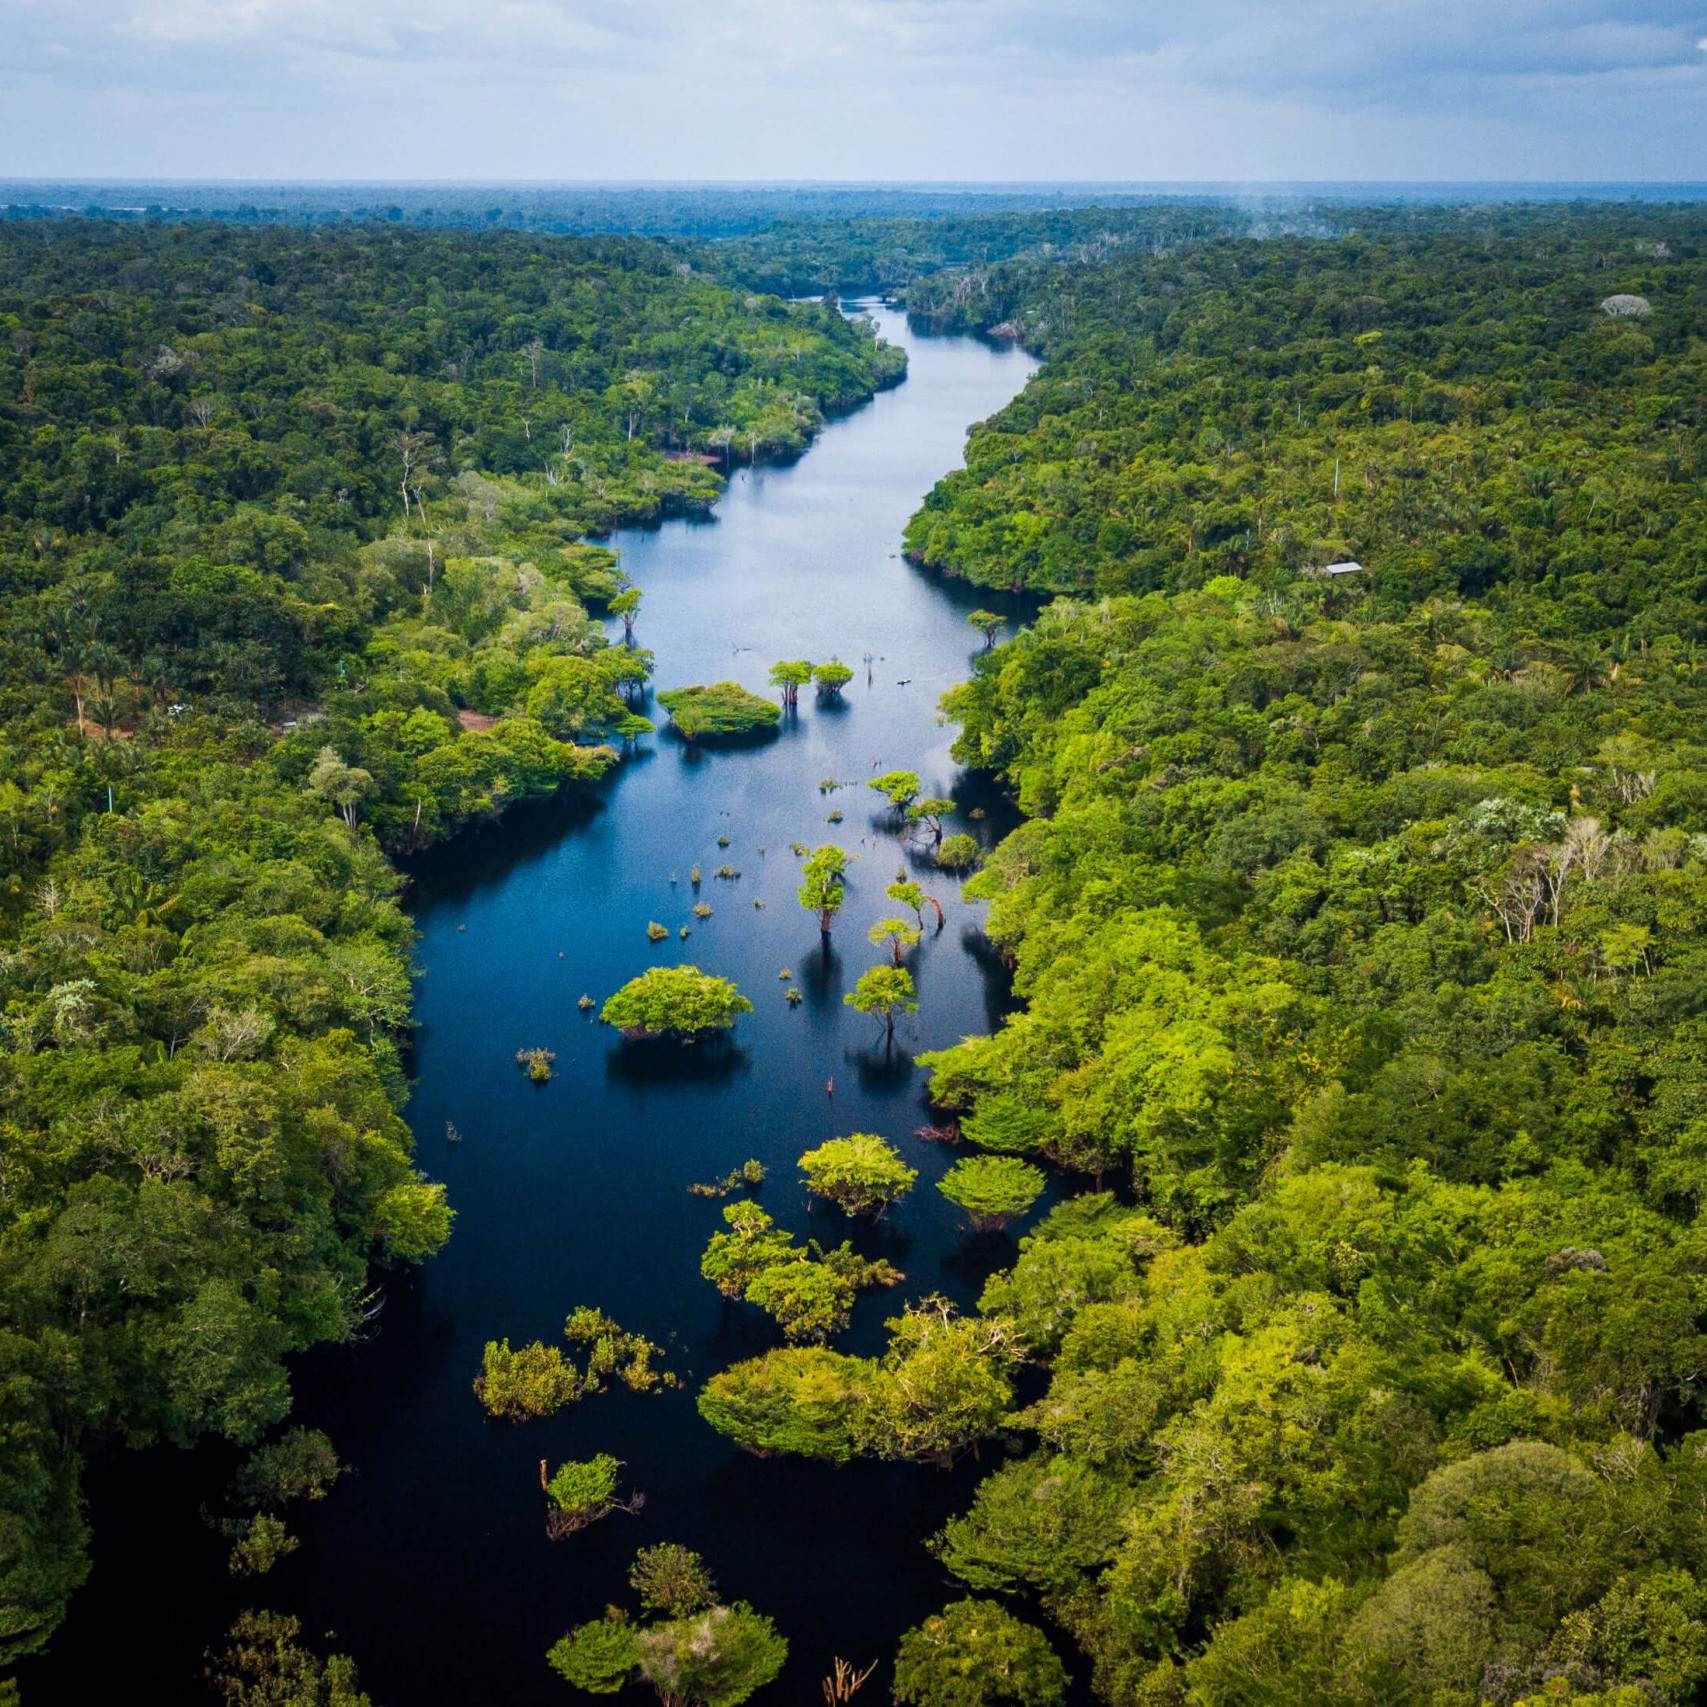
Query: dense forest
x=293, y=554
x=1360, y=927
x=1358, y=920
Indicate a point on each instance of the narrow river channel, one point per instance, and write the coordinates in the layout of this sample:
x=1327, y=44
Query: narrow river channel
x=431, y=1564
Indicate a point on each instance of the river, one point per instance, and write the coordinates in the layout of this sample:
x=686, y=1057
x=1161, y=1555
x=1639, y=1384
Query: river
x=430, y=1563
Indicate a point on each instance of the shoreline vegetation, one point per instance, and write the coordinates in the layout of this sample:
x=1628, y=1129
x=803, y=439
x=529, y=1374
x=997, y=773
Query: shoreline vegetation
x=294, y=545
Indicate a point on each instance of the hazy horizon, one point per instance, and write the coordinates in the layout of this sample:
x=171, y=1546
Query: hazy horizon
x=854, y=91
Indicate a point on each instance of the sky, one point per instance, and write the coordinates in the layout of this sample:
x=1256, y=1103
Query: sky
x=1007, y=90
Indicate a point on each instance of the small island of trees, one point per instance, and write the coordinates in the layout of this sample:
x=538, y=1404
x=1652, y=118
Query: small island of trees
x=675, y=1001
x=717, y=712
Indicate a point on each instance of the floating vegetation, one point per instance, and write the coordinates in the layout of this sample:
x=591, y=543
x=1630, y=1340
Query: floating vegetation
x=693, y=877
x=462, y=927
x=723, y=841
x=750, y=1175
x=758, y=906
x=794, y=996
x=727, y=872
x=586, y=1003
x=674, y=879
x=828, y=785
x=684, y=933
x=656, y=932
x=452, y=1136
x=834, y=818
x=701, y=910
x=536, y=1063
x=948, y=1133
x=785, y=974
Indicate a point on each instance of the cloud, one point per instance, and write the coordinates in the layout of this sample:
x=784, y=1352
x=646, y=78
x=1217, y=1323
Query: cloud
x=1101, y=89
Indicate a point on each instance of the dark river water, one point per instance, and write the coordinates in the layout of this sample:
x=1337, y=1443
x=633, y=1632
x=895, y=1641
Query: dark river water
x=430, y=1564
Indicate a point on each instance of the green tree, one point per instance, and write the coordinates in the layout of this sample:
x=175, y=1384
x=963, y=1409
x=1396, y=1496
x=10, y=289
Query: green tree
x=895, y=935
x=599, y=1657
x=626, y=604
x=791, y=675
x=581, y=1492
x=993, y=1190
x=344, y=786
x=989, y=624
x=831, y=678
x=911, y=894
x=715, y=1658
x=930, y=812
x=803, y=1401
x=975, y=1653
x=884, y=992
x=861, y=1174
x=672, y=1579
x=899, y=788
x=718, y=711
x=675, y=1001
x=957, y=853
x=821, y=889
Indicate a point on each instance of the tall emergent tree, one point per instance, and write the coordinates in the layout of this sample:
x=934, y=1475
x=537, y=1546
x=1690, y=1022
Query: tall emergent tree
x=821, y=889
x=988, y=624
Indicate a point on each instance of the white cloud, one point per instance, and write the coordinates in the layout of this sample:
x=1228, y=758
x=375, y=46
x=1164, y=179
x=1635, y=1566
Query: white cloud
x=1099, y=89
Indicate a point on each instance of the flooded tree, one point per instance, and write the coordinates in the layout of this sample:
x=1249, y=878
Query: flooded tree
x=791, y=675
x=821, y=889
x=895, y=935
x=626, y=604
x=831, y=678
x=911, y=894
x=581, y=1492
x=718, y=711
x=675, y=1001
x=929, y=814
x=993, y=1190
x=884, y=992
x=899, y=788
x=861, y=1174
x=957, y=853
x=989, y=624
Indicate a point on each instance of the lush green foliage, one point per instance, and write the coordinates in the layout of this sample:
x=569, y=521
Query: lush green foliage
x=993, y=1190
x=975, y=1653
x=701, y=1654
x=821, y=888
x=292, y=561
x=1360, y=926
x=725, y=708
x=884, y=992
x=264, y=1665
x=940, y=1388
x=675, y=1001
x=862, y=1174
x=537, y=1380
x=807, y=1290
